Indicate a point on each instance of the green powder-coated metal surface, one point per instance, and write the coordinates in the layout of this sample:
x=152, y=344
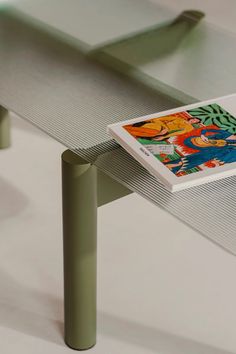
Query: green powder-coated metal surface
x=79, y=191
x=5, y=140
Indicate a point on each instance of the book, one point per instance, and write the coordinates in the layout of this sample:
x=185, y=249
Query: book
x=186, y=146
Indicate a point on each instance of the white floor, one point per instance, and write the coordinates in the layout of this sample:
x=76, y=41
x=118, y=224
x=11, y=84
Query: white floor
x=162, y=288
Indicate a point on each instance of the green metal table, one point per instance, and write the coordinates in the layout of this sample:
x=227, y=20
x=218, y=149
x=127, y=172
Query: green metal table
x=71, y=78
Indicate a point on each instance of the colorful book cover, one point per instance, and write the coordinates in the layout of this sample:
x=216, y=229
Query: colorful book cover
x=191, y=141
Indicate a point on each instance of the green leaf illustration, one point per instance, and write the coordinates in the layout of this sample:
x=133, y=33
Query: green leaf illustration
x=215, y=114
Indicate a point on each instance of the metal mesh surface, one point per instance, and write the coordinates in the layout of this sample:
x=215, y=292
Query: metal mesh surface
x=73, y=99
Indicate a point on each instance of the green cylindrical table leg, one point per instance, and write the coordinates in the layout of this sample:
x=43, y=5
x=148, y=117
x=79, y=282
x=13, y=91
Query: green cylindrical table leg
x=79, y=190
x=4, y=128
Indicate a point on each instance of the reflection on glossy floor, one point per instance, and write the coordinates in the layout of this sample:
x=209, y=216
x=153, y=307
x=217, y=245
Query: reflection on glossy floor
x=162, y=287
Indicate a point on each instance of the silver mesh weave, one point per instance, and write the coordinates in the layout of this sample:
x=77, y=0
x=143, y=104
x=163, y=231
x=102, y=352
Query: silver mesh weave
x=73, y=99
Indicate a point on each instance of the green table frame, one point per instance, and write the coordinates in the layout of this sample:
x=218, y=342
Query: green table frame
x=84, y=189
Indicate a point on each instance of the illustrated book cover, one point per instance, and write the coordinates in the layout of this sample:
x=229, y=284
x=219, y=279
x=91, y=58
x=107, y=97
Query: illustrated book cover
x=184, y=147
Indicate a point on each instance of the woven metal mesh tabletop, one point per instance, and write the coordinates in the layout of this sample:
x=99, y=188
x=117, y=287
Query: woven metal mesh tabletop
x=73, y=97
